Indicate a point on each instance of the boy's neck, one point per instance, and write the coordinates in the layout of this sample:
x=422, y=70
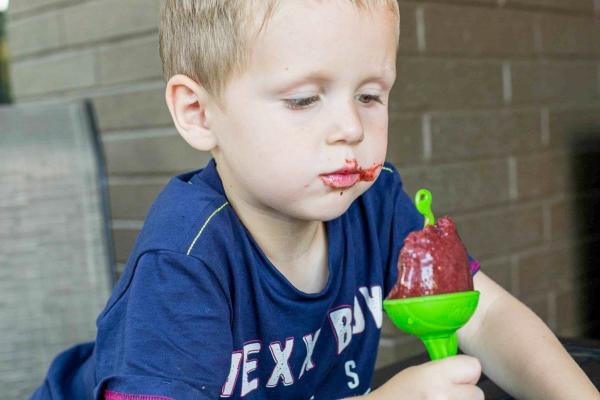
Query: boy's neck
x=297, y=248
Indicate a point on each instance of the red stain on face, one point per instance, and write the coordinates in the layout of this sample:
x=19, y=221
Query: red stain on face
x=366, y=174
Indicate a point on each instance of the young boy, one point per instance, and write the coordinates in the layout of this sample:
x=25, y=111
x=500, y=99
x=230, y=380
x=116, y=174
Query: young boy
x=263, y=274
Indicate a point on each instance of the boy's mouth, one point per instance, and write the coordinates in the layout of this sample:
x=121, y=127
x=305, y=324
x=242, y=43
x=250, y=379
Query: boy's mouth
x=349, y=175
x=340, y=180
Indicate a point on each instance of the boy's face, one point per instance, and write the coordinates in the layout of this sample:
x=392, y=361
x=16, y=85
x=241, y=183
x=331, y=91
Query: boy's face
x=313, y=100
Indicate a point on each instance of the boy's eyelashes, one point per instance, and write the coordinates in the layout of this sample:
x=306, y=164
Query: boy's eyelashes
x=300, y=103
x=367, y=98
x=305, y=102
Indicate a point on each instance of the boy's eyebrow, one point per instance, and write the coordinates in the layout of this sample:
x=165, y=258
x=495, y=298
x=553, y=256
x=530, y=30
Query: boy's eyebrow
x=319, y=77
x=322, y=77
x=383, y=81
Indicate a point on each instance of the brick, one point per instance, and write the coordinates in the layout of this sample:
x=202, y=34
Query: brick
x=553, y=81
x=461, y=186
x=501, y=232
x=434, y=83
x=131, y=199
x=539, y=305
x=469, y=134
x=123, y=241
x=52, y=74
x=129, y=61
x=549, y=269
x=408, y=27
x=570, y=313
x=565, y=5
x=563, y=219
x=100, y=20
x=165, y=155
x=39, y=33
x=405, y=141
x=567, y=125
x=569, y=35
x=132, y=110
x=499, y=269
x=478, y=30
x=543, y=174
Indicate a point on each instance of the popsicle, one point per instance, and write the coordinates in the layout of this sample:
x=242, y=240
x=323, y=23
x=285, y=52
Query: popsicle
x=434, y=295
x=433, y=261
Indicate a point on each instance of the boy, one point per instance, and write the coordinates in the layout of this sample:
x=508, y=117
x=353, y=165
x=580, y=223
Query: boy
x=262, y=275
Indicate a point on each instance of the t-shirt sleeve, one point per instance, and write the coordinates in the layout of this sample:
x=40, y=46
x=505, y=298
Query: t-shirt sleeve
x=168, y=336
x=405, y=218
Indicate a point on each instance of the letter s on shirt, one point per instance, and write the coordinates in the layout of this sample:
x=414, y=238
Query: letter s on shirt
x=354, y=381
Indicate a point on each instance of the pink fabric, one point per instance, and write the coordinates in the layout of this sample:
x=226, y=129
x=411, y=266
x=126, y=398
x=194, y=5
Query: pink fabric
x=475, y=266
x=110, y=395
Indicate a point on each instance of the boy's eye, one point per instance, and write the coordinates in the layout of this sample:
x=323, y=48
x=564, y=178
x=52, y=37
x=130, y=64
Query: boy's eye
x=298, y=104
x=305, y=102
x=367, y=98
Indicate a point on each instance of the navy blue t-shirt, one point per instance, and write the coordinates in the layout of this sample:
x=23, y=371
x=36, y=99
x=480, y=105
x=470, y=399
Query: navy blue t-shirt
x=201, y=313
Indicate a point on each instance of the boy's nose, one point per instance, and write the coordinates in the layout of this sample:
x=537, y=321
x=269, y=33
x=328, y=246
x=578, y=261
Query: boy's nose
x=348, y=125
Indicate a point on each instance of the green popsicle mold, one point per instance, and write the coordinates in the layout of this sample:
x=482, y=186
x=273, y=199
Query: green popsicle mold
x=434, y=319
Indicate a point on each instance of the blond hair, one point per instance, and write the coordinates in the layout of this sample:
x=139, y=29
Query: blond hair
x=209, y=40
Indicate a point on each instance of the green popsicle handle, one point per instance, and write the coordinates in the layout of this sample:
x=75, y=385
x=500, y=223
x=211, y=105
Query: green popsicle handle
x=423, y=200
x=441, y=347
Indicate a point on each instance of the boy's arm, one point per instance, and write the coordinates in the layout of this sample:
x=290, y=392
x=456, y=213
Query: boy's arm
x=518, y=351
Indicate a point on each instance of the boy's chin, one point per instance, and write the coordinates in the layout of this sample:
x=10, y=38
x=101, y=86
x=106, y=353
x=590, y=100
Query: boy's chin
x=327, y=215
x=328, y=210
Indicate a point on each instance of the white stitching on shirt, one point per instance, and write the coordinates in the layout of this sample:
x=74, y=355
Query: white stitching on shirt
x=204, y=226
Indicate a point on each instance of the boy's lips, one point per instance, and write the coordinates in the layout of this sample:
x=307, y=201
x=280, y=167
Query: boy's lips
x=349, y=175
x=340, y=180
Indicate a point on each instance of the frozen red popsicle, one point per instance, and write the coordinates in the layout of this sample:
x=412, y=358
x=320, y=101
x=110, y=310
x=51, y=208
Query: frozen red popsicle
x=432, y=261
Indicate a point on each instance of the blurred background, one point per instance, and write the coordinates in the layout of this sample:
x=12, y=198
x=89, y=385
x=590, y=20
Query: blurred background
x=496, y=109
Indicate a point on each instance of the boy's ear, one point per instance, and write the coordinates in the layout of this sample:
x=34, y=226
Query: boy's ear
x=187, y=101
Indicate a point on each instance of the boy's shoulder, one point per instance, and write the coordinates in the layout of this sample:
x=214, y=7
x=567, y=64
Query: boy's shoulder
x=183, y=211
x=188, y=211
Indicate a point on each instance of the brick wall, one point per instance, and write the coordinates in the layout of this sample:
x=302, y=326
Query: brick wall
x=489, y=97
